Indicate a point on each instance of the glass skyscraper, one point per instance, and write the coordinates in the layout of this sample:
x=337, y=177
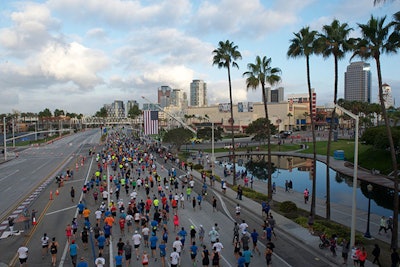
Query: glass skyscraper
x=357, y=82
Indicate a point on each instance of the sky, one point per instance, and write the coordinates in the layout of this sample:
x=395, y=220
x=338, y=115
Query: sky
x=78, y=55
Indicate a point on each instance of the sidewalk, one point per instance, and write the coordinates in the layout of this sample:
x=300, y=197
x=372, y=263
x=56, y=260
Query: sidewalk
x=339, y=213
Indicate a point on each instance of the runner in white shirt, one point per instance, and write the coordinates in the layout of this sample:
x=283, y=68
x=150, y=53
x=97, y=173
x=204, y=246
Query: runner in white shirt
x=98, y=214
x=136, y=238
x=175, y=258
x=177, y=245
x=218, y=246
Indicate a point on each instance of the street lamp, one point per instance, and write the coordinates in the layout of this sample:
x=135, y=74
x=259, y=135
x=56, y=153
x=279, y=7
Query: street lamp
x=5, y=138
x=355, y=175
x=369, y=188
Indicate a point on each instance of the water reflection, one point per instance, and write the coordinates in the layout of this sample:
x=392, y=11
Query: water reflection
x=299, y=170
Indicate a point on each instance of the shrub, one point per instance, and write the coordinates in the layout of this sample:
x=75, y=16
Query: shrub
x=287, y=207
x=198, y=167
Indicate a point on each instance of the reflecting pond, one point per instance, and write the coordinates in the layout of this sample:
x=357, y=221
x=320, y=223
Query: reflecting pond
x=298, y=170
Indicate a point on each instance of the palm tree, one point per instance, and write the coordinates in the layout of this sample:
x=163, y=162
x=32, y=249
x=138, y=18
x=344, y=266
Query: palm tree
x=376, y=40
x=224, y=57
x=289, y=115
x=303, y=45
x=333, y=42
x=259, y=74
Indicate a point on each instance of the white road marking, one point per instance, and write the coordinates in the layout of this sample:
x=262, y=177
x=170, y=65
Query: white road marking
x=57, y=211
x=14, y=172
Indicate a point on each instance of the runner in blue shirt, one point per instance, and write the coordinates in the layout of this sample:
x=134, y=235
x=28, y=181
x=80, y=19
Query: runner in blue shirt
x=193, y=252
x=182, y=234
x=254, y=237
x=163, y=252
x=118, y=259
x=153, y=245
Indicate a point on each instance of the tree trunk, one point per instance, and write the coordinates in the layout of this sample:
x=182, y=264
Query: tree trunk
x=268, y=142
x=232, y=130
x=314, y=174
x=394, y=241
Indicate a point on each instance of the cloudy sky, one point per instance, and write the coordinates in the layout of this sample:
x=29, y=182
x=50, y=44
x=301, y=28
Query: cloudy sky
x=78, y=55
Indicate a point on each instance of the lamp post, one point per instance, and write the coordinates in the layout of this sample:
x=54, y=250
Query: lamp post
x=5, y=138
x=369, y=188
x=355, y=174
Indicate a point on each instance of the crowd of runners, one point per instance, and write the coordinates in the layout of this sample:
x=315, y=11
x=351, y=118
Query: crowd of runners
x=141, y=207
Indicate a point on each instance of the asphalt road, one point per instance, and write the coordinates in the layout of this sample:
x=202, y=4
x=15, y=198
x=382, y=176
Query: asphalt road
x=37, y=166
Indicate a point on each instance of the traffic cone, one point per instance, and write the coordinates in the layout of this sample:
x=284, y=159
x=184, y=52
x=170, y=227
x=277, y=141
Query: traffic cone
x=34, y=221
x=57, y=192
x=51, y=195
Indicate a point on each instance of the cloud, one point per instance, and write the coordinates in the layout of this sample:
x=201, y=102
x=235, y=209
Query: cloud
x=124, y=14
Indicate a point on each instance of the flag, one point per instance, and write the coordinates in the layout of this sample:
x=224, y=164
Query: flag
x=150, y=118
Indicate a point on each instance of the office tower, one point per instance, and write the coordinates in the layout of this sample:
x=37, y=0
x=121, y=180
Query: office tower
x=116, y=109
x=198, y=93
x=164, y=94
x=387, y=95
x=275, y=95
x=176, y=98
x=130, y=104
x=357, y=82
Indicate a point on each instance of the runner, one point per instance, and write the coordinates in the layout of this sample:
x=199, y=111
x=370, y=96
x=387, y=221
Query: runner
x=53, y=251
x=45, y=245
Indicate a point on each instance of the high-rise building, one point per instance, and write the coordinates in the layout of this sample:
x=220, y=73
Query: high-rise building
x=164, y=94
x=130, y=104
x=198, y=93
x=116, y=109
x=387, y=95
x=176, y=98
x=357, y=82
x=275, y=95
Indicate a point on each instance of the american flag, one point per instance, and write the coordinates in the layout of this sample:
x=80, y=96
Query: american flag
x=150, y=118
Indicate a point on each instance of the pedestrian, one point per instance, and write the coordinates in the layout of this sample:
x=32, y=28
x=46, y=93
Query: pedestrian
x=162, y=247
x=128, y=253
x=237, y=210
x=268, y=255
x=45, y=245
x=214, y=203
x=354, y=255
x=153, y=245
x=193, y=252
x=53, y=251
x=136, y=238
x=72, y=193
x=205, y=257
x=73, y=252
x=382, y=225
x=176, y=222
x=194, y=203
x=145, y=258
x=85, y=237
x=215, y=257
x=345, y=250
x=395, y=258
x=332, y=245
x=306, y=194
x=376, y=252
x=23, y=255
x=174, y=257
x=11, y=224
x=26, y=215
x=82, y=263
x=241, y=260
x=254, y=237
x=362, y=256
x=247, y=255
x=118, y=260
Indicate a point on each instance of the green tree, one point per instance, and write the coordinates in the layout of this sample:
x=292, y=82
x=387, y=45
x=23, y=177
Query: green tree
x=102, y=113
x=257, y=128
x=134, y=112
x=304, y=45
x=206, y=133
x=224, y=57
x=177, y=137
x=334, y=41
x=376, y=40
x=259, y=168
x=259, y=74
x=58, y=112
